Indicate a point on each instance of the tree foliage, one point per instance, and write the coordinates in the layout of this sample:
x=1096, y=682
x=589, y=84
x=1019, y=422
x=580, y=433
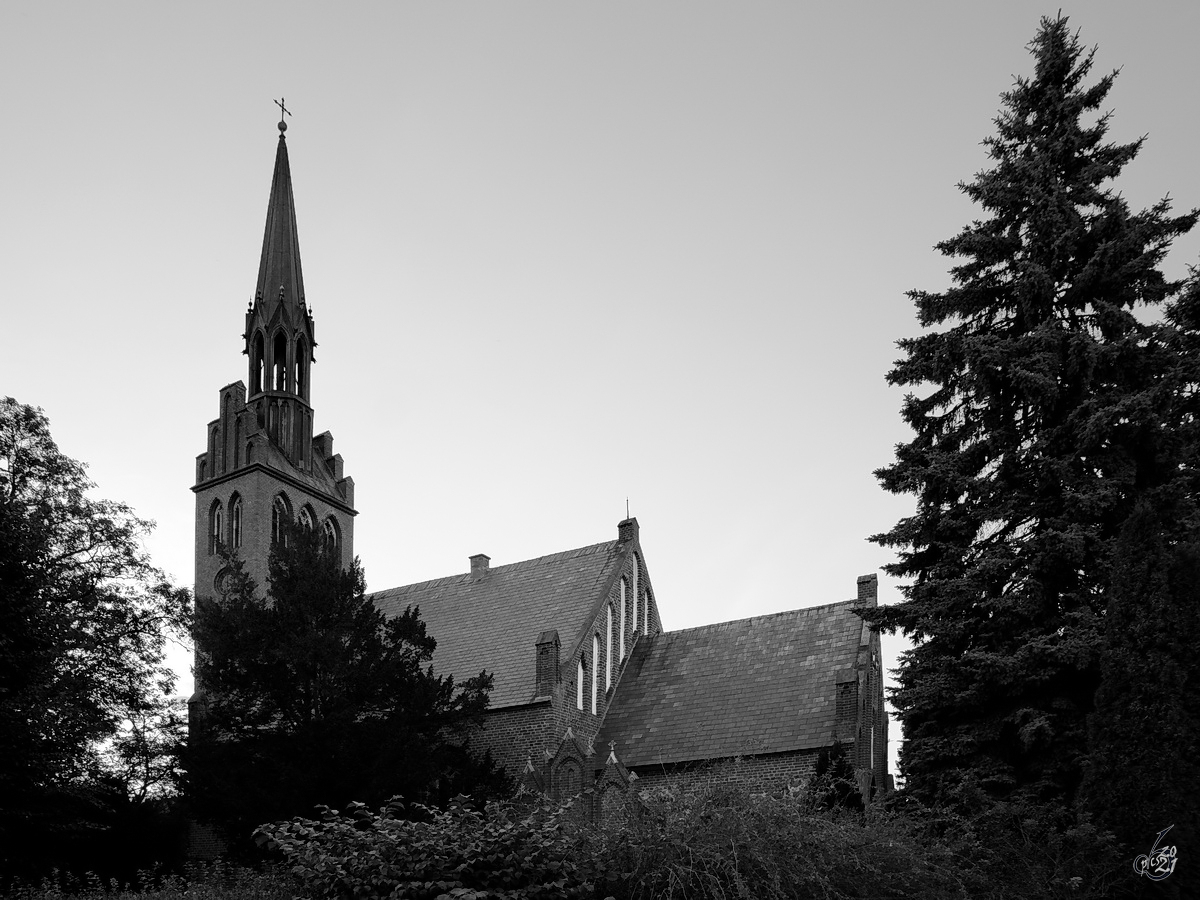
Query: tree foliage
x=312, y=696
x=84, y=622
x=1043, y=414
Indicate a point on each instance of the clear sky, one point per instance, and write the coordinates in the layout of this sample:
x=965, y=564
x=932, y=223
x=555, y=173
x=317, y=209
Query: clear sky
x=558, y=255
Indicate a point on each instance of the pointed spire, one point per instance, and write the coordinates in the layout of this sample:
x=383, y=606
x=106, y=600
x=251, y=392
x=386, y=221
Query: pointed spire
x=279, y=269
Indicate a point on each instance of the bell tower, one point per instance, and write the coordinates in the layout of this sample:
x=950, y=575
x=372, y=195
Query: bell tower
x=262, y=466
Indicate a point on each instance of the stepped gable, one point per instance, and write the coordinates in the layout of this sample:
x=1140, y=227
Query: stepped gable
x=492, y=621
x=751, y=686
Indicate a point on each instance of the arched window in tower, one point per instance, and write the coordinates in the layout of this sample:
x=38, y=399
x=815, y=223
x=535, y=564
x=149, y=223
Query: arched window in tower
x=646, y=613
x=214, y=446
x=249, y=451
x=595, y=667
x=279, y=362
x=624, y=606
x=257, y=353
x=215, y=527
x=237, y=442
x=608, y=650
x=332, y=534
x=226, y=405
x=285, y=426
x=235, y=521
x=281, y=518
x=301, y=375
x=307, y=518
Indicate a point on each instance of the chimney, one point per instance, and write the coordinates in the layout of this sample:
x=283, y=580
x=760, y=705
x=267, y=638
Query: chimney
x=547, y=664
x=868, y=590
x=627, y=530
x=479, y=565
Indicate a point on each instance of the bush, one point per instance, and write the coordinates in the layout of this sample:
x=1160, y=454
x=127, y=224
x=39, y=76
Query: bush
x=198, y=882
x=502, y=853
x=725, y=840
x=713, y=840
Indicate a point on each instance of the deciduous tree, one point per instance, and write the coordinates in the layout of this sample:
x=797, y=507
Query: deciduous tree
x=84, y=622
x=312, y=696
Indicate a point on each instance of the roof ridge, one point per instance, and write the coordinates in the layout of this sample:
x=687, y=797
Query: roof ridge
x=450, y=579
x=774, y=615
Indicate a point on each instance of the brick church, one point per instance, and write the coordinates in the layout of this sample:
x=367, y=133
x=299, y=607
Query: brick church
x=591, y=695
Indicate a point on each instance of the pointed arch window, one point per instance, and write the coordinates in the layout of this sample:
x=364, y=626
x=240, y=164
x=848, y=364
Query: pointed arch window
x=307, y=518
x=300, y=377
x=215, y=527
x=568, y=779
x=257, y=352
x=633, y=600
x=235, y=521
x=279, y=362
x=580, y=674
x=332, y=534
x=281, y=518
x=608, y=649
x=624, y=607
x=595, y=667
x=646, y=613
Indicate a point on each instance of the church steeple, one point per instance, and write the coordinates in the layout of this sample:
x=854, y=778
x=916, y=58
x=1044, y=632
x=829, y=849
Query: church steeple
x=263, y=466
x=279, y=327
x=279, y=269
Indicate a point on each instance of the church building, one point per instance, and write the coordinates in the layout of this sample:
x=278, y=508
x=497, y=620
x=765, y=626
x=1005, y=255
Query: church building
x=591, y=696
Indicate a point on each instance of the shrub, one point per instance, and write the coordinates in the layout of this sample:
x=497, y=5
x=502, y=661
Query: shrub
x=503, y=852
x=198, y=882
x=728, y=840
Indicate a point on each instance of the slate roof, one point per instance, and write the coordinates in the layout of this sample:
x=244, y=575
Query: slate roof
x=760, y=685
x=493, y=623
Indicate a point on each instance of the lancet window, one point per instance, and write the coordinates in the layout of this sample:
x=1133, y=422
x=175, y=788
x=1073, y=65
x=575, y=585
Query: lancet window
x=235, y=521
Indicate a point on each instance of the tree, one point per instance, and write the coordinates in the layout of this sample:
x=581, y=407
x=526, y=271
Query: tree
x=313, y=697
x=1142, y=773
x=1044, y=415
x=84, y=620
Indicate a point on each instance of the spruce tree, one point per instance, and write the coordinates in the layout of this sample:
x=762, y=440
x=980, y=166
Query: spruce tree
x=1041, y=419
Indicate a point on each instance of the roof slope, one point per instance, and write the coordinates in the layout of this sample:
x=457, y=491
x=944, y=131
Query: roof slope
x=493, y=623
x=760, y=685
x=279, y=266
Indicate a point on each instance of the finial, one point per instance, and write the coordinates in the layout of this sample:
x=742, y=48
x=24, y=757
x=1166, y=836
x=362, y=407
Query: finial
x=283, y=110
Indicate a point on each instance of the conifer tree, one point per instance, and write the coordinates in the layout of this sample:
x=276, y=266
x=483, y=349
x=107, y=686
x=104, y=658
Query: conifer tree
x=1041, y=414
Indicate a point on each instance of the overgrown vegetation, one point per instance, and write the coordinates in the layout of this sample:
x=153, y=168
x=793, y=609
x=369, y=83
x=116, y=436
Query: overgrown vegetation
x=503, y=851
x=194, y=882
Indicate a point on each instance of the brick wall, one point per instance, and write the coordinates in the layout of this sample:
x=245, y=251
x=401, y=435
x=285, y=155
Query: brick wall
x=775, y=770
x=515, y=734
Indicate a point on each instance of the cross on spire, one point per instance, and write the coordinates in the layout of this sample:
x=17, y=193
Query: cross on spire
x=283, y=111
